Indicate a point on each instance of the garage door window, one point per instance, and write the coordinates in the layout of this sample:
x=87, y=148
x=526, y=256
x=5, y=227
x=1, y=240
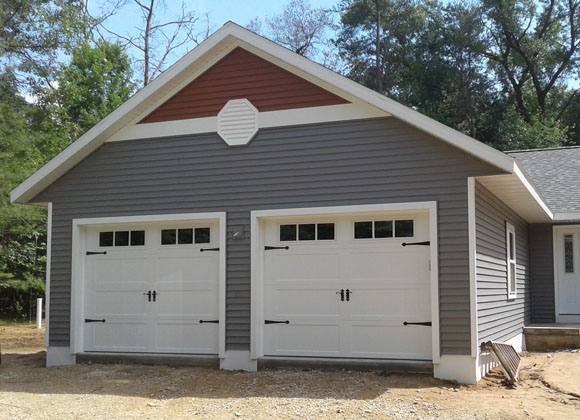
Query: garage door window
x=384, y=229
x=307, y=232
x=186, y=236
x=122, y=238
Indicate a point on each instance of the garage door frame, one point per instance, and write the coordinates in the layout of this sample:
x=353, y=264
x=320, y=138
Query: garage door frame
x=257, y=264
x=78, y=268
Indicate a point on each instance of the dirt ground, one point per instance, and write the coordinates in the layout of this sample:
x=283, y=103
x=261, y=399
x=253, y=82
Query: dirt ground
x=548, y=389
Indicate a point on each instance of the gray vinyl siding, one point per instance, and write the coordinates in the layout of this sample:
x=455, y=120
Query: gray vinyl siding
x=542, y=273
x=499, y=318
x=355, y=162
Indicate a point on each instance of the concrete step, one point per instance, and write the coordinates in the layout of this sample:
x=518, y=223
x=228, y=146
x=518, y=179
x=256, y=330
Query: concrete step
x=551, y=337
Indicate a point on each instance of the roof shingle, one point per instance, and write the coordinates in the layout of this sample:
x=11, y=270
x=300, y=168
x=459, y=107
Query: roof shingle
x=555, y=173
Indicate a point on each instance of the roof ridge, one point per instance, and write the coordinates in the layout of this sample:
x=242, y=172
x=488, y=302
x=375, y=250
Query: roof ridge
x=543, y=149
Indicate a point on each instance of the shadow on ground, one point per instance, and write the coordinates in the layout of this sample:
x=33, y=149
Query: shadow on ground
x=26, y=373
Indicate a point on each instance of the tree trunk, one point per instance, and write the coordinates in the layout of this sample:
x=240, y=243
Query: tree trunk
x=146, y=46
x=378, y=47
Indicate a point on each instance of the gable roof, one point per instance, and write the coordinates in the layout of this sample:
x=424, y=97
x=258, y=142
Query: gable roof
x=242, y=75
x=196, y=62
x=556, y=175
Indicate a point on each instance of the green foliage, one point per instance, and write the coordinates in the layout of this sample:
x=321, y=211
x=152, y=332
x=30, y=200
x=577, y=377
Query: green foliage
x=35, y=34
x=95, y=83
x=517, y=134
x=502, y=71
x=97, y=80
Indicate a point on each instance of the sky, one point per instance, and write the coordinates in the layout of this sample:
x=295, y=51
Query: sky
x=218, y=11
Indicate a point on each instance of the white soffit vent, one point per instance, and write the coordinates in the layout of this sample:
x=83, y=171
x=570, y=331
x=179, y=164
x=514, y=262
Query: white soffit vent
x=238, y=122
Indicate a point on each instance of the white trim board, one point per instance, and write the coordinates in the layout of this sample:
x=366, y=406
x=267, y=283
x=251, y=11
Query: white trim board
x=193, y=63
x=78, y=258
x=556, y=230
x=257, y=244
x=47, y=281
x=300, y=116
x=472, y=233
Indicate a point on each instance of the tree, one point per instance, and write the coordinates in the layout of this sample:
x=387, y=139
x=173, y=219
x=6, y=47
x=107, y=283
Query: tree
x=299, y=27
x=156, y=41
x=95, y=83
x=22, y=229
x=535, y=50
x=35, y=34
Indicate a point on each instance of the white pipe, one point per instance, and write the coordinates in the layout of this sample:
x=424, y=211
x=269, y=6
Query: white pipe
x=39, y=313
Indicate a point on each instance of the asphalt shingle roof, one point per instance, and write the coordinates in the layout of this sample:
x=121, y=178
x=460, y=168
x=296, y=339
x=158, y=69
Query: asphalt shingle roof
x=555, y=174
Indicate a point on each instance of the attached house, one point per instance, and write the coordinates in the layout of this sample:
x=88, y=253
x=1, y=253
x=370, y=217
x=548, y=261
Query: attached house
x=251, y=206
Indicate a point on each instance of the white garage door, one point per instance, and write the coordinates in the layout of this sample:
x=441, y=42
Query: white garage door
x=148, y=287
x=347, y=287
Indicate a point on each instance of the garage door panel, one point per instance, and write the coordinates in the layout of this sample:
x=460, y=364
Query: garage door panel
x=185, y=282
x=316, y=266
x=396, y=264
x=395, y=303
x=296, y=302
x=115, y=302
x=185, y=336
x=389, y=340
x=120, y=335
x=186, y=302
x=388, y=284
x=186, y=269
x=304, y=339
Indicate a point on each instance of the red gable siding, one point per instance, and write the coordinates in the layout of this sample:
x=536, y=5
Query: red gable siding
x=241, y=74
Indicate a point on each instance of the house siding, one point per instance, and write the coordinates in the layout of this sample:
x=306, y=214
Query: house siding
x=499, y=318
x=241, y=74
x=542, y=273
x=346, y=163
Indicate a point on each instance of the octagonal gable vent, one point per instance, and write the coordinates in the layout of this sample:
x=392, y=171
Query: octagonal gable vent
x=238, y=122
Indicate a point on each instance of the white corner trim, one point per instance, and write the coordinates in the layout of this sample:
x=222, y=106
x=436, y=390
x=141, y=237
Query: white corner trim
x=257, y=243
x=230, y=35
x=77, y=267
x=555, y=254
x=461, y=369
x=472, y=233
x=238, y=360
x=59, y=356
x=510, y=228
x=289, y=117
x=47, y=281
x=517, y=171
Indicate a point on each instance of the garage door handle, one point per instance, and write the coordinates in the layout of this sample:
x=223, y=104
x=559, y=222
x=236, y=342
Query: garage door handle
x=269, y=321
x=148, y=294
x=341, y=293
x=96, y=252
x=211, y=321
x=269, y=248
x=208, y=249
x=425, y=324
x=88, y=320
x=426, y=243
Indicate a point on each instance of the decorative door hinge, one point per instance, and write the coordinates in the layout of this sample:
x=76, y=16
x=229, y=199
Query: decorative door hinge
x=269, y=321
x=211, y=321
x=96, y=252
x=208, y=249
x=425, y=243
x=424, y=324
x=88, y=320
x=269, y=248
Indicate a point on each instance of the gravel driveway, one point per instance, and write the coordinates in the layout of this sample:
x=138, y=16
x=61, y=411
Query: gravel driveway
x=28, y=390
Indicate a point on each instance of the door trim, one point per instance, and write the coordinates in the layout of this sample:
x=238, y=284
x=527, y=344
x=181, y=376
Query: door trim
x=257, y=267
x=556, y=231
x=78, y=260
